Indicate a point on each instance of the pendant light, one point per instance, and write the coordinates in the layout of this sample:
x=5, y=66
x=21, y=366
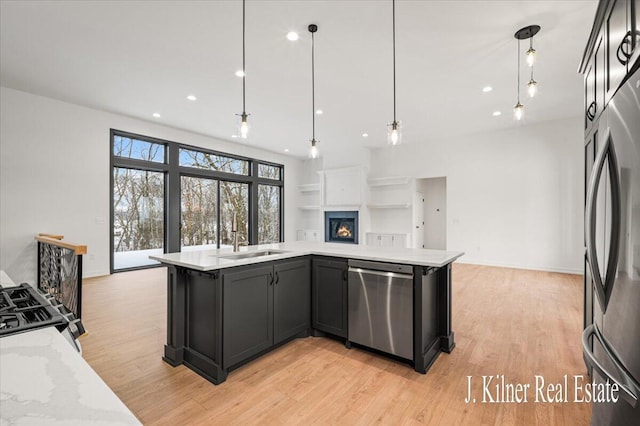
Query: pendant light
x=518, y=110
x=313, y=149
x=243, y=125
x=531, y=53
x=394, y=130
x=532, y=87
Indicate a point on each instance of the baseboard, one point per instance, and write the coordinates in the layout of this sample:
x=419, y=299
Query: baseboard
x=528, y=267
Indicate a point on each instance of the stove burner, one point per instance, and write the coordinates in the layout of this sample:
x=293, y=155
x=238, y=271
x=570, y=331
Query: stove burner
x=24, y=308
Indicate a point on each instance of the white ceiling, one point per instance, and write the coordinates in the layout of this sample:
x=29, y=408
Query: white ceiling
x=137, y=58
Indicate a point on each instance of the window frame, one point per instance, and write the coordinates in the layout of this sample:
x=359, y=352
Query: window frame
x=173, y=173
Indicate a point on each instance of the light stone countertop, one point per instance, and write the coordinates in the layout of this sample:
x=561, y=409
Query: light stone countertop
x=209, y=260
x=5, y=280
x=45, y=382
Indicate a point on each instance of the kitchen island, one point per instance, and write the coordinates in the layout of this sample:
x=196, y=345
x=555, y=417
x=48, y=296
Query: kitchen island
x=225, y=308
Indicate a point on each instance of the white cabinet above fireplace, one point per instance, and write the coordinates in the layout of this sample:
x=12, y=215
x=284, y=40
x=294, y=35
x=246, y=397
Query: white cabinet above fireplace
x=343, y=187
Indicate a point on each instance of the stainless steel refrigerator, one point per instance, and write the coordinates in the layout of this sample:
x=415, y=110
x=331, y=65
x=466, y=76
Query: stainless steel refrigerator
x=611, y=344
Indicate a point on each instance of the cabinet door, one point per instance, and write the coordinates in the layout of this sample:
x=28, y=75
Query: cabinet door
x=600, y=88
x=247, y=312
x=589, y=96
x=635, y=28
x=373, y=239
x=616, y=29
x=329, y=295
x=291, y=298
x=301, y=235
x=399, y=240
x=386, y=240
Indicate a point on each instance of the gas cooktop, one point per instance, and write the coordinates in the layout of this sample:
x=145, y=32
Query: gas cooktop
x=23, y=308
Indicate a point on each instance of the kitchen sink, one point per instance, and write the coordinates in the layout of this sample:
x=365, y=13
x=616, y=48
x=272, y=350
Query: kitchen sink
x=252, y=254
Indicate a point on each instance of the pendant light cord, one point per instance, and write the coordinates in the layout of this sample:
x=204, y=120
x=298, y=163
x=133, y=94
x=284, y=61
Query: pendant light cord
x=518, y=57
x=244, y=72
x=313, y=89
x=394, y=59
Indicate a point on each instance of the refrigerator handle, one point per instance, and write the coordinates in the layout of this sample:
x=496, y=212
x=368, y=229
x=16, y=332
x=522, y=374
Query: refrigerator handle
x=606, y=154
x=630, y=389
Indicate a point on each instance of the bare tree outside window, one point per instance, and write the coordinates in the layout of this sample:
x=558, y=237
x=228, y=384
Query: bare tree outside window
x=199, y=211
x=138, y=214
x=234, y=198
x=268, y=214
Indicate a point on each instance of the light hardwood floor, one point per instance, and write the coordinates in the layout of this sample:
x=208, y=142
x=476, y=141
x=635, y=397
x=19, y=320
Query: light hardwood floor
x=507, y=322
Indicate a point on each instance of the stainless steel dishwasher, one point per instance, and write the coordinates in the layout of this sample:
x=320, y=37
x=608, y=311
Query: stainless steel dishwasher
x=381, y=306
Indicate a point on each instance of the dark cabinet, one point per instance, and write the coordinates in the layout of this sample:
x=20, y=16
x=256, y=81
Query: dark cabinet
x=595, y=83
x=247, y=312
x=263, y=305
x=619, y=45
x=291, y=299
x=329, y=287
x=613, y=49
x=635, y=28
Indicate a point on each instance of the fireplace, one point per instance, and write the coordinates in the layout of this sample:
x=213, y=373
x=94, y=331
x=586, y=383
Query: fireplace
x=341, y=227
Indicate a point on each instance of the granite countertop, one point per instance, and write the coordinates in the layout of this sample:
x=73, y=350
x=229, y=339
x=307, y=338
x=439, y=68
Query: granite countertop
x=44, y=381
x=209, y=260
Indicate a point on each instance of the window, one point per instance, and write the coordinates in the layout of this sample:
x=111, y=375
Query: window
x=198, y=212
x=234, y=200
x=209, y=161
x=268, y=214
x=168, y=197
x=138, y=217
x=137, y=149
x=268, y=172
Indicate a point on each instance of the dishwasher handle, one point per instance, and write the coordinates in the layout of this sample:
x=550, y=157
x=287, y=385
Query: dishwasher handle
x=380, y=273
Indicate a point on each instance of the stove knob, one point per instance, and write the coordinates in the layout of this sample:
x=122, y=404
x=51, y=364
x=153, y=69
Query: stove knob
x=76, y=328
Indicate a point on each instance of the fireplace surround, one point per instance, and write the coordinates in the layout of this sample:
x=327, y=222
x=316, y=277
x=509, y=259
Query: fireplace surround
x=341, y=227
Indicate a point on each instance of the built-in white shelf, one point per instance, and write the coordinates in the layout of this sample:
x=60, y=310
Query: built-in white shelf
x=389, y=206
x=388, y=181
x=309, y=207
x=309, y=187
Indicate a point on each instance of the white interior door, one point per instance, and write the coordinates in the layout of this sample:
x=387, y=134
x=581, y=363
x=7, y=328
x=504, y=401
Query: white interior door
x=435, y=213
x=418, y=220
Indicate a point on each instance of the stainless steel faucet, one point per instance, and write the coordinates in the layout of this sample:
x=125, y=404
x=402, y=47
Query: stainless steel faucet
x=234, y=230
x=235, y=241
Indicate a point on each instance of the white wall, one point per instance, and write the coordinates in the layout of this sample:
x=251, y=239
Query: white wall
x=514, y=197
x=54, y=176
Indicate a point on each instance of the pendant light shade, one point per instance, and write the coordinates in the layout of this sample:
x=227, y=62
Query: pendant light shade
x=394, y=133
x=243, y=124
x=314, y=152
x=394, y=129
x=532, y=87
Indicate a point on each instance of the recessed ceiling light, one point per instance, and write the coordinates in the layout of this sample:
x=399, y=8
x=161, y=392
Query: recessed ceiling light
x=292, y=36
x=286, y=150
x=156, y=115
x=239, y=73
x=319, y=112
x=365, y=135
x=496, y=113
x=234, y=136
x=486, y=89
x=192, y=98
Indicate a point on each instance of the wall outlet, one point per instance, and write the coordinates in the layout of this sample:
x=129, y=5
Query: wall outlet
x=100, y=220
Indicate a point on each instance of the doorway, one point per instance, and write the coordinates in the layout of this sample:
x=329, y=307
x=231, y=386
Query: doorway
x=434, y=191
